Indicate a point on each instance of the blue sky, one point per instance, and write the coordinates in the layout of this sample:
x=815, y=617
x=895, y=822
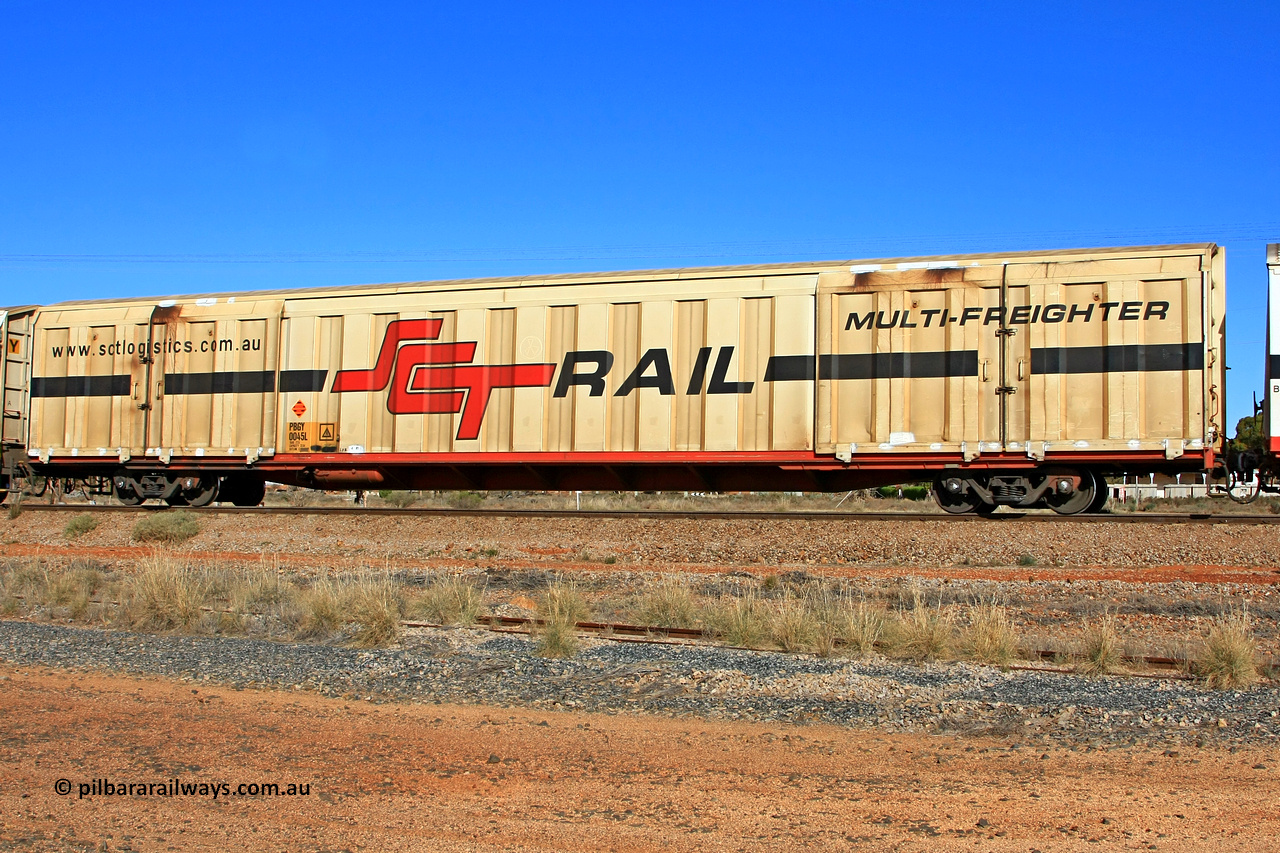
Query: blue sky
x=169, y=148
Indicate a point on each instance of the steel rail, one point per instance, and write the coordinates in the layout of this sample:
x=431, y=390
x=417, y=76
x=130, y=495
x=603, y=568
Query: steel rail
x=1164, y=666
x=1160, y=666
x=670, y=514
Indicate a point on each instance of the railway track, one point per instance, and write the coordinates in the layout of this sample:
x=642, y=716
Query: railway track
x=732, y=515
x=1050, y=660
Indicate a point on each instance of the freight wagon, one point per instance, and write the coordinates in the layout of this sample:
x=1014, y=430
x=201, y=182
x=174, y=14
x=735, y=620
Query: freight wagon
x=1008, y=379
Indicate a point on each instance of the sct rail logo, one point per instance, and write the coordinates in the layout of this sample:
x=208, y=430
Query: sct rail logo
x=438, y=378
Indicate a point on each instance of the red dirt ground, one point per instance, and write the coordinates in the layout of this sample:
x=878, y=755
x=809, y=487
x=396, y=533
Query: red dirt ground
x=440, y=778
x=1157, y=574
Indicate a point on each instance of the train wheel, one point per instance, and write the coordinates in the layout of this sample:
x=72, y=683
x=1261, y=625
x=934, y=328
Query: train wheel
x=956, y=501
x=1079, y=500
x=252, y=493
x=1102, y=496
x=126, y=491
x=204, y=494
x=242, y=491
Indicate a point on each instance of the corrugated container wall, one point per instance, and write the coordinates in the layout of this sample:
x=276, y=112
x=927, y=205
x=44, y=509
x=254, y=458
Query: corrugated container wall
x=1032, y=354
x=655, y=371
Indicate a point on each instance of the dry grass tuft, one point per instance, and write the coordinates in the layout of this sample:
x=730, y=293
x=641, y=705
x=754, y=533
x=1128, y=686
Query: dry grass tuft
x=1228, y=659
x=563, y=602
x=74, y=589
x=560, y=609
x=739, y=620
x=449, y=601
x=864, y=629
x=319, y=610
x=794, y=625
x=26, y=581
x=921, y=633
x=164, y=595
x=169, y=528
x=253, y=592
x=832, y=614
x=556, y=639
x=374, y=605
x=670, y=605
x=990, y=637
x=1101, y=648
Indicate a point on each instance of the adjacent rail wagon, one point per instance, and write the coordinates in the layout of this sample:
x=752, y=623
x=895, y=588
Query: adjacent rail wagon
x=1016, y=379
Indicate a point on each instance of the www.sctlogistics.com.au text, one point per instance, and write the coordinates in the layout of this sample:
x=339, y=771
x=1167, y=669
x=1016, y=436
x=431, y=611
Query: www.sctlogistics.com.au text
x=180, y=788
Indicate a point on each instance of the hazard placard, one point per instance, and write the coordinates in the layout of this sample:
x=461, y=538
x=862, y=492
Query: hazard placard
x=299, y=408
x=311, y=437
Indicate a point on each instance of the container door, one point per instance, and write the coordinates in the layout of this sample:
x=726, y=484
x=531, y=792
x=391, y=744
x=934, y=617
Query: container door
x=1106, y=355
x=908, y=360
x=215, y=378
x=139, y=430
x=1012, y=387
x=15, y=333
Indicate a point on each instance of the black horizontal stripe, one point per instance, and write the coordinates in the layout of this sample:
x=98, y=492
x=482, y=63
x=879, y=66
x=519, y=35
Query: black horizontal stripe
x=788, y=368
x=80, y=386
x=227, y=382
x=293, y=381
x=1273, y=367
x=1118, y=359
x=898, y=365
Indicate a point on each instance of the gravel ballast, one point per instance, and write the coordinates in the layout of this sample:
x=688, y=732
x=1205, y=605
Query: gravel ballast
x=475, y=666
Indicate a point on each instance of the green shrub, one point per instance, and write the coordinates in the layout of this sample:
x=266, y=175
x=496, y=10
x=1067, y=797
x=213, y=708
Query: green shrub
x=79, y=525
x=464, y=500
x=399, y=499
x=169, y=528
